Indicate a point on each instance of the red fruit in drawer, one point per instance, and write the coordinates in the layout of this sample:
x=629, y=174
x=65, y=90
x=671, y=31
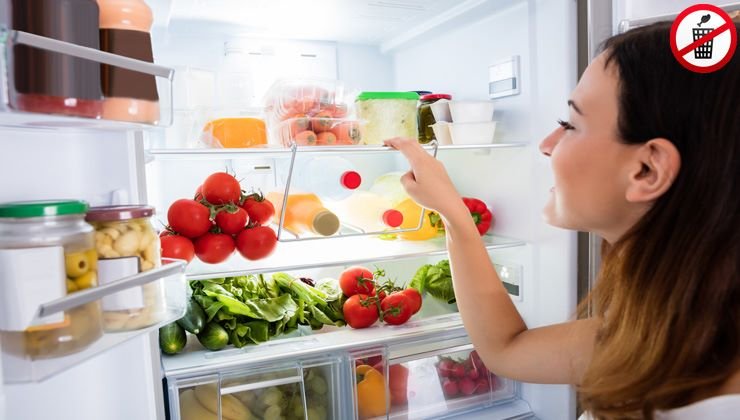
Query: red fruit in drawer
x=450, y=388
x=482, y=386
x=398, y=378
x=458, y=370
x=467, y=386
x=473, y=374
x=445, y=368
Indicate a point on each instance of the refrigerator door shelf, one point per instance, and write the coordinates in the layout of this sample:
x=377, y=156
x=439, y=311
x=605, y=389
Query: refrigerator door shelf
x=298, y=256
x=18, y=367
x=139, y=114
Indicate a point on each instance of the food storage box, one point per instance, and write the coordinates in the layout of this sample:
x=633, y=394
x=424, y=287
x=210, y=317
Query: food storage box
x=471, y=111
x=319, y=131
x=289, y=98
x=46, y=252
x=127, y=244
x=387, y=115
x=234, y=132
x=473, y=132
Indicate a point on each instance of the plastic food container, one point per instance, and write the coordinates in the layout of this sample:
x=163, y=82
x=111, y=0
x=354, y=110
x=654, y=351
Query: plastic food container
x=46, y=252
x=237, y=132
x=473, y=133
x=471, y=111
x=426, y=116
x=126, y=245
x=291, y=98
x=319, y=131
x=441, y=111
x=442, y=132
x=387, y=115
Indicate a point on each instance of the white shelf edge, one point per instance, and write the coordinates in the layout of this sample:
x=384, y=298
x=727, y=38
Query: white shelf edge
x=333, y=340
x=511, y=243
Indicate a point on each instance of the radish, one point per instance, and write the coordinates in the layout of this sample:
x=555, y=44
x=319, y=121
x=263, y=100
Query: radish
x=450, y=388
x=467, y=386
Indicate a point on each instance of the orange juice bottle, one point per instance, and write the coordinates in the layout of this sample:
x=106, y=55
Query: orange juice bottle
x=305, y=213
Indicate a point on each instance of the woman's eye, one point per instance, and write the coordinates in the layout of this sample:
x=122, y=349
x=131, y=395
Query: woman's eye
x=566, y=125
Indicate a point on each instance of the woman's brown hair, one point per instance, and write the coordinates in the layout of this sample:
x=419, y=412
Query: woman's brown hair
x=669, y=290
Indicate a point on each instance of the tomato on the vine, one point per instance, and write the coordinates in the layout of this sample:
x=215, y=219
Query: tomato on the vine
x=396, y=309
x=356, y=280
x=232, y=222
x=414, y=298
x=178, y=247
x=189, y=218
x=256, y=242
x=260, y=210
x=360, y=311
x=214, y=248
x=221, y=188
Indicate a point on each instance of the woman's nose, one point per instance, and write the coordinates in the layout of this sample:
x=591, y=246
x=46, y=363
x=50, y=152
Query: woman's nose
x=548, y=143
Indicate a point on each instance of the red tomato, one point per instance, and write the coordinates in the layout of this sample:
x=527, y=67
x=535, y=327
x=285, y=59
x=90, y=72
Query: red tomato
x=356, y=280
x=198, y=193
x=321, y=122
x=305, y=138
x=176, y=246
x=299, y=123
x=414, y=299
x=326, y=138
x=256, y=243
x=347, y=132
x=232, y=222
x=396, y=309
x=189, y=218
x=213, y=248
x=360, y=311
x=221, y=188
x=398, y=378
x=259, y=209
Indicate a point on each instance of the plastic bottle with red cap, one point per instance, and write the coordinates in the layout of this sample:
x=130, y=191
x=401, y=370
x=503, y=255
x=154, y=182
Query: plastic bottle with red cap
x=330, y=177
x=368, y=211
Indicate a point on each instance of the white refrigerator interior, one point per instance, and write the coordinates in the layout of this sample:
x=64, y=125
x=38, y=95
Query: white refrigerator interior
x=441, y=46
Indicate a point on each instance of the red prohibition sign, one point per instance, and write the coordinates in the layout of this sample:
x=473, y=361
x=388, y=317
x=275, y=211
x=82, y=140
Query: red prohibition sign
x=727, y=25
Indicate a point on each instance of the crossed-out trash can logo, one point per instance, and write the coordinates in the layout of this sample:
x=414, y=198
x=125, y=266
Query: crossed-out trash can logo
x=703, y=38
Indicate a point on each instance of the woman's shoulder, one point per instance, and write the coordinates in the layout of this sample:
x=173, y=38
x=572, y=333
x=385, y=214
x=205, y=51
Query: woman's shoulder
x=719, y=407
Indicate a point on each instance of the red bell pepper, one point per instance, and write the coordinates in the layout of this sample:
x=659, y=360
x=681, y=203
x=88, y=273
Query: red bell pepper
x=482, y=217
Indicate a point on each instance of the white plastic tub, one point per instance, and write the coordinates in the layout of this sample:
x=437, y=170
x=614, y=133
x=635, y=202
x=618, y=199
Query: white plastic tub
x=471, y=111
x=442, y=132
x=472, y=133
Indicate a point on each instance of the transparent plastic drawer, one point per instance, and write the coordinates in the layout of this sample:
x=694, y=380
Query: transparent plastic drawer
x=370, y=395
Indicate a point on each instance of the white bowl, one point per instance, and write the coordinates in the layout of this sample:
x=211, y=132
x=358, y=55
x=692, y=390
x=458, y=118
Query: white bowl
x=473, y=133
x=441, y=111
x=442, y=132
x=471, y=111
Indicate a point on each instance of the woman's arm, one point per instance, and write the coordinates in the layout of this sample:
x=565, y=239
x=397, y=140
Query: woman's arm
x=552, y=354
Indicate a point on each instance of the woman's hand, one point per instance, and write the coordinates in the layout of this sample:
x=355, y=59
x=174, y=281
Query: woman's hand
x=427, y=182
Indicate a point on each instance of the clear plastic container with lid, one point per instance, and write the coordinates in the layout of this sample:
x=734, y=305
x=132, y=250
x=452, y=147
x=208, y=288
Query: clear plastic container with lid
x=47, y=251
x=387, y=115
x=127, y=244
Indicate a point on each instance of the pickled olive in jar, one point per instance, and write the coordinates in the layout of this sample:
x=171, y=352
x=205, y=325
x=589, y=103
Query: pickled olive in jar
x=127, y=244
x=55, y=233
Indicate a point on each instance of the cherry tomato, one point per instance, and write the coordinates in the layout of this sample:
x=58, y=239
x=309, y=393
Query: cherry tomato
x=360, y=311
x=356, y=280
x=232, y=223
x=396, y=309
x=213, y=248
x=198, y=193
x=414, y=299
x=176, y=246
x=256, y=243
x=221, y=188
x=259, y=209
x=189, y=218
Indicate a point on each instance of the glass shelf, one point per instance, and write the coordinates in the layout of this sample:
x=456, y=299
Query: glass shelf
x=12, y=117
x=277, y=151
x=338, y=252
x=20, y=367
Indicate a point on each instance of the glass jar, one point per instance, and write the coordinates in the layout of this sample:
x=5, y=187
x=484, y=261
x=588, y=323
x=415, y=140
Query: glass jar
x=426, y=117
x=127, y=244
x=51, y=82
x=46, y=251
x=387, y=115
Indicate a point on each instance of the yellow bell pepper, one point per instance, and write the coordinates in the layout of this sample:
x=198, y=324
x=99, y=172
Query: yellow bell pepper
x=371, y=398
x=411, y=212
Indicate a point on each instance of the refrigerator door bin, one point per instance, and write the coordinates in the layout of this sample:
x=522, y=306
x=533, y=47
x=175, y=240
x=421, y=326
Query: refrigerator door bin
x=18, y=109
x=18, y=367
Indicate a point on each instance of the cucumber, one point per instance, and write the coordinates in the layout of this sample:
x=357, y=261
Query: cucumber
x=213, y=336
x=172, y=338
x=194, y=319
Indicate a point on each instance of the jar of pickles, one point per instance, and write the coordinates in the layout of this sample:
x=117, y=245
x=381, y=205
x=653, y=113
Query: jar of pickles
x=46, y=252
x=127, y=244
x=426, y=117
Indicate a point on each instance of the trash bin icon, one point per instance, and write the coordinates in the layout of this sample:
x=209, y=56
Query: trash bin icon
x=703, y=51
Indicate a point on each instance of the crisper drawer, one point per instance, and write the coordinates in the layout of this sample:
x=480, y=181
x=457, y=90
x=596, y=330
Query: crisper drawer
x=308, y=390
x=427, y=385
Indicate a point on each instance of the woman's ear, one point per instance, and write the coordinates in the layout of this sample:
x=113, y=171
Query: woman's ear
x=657, y=166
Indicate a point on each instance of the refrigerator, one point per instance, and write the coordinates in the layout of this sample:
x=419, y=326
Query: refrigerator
x=524, y=55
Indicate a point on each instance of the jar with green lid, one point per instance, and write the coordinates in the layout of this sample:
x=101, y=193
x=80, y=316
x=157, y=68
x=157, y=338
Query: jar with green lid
x=387, y=115
x=47, y=251
x=127, y=244
x=426, y=117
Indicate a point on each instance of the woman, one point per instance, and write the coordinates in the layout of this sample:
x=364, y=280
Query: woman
x=649, y=160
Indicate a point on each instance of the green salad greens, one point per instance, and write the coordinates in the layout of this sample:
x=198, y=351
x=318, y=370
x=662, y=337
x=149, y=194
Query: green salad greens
x=435, y=279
